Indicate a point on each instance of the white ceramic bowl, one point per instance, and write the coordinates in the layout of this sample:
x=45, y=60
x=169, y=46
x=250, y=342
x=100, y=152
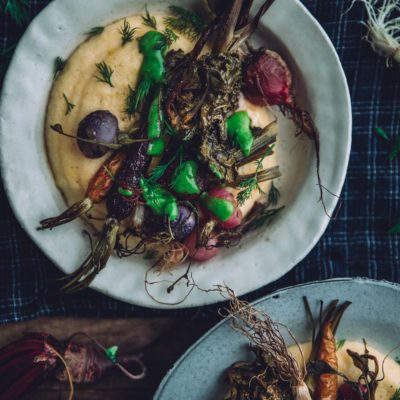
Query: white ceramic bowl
x=262, y=256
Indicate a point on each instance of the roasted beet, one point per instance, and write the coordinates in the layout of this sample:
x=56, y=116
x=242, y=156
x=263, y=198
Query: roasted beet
x=203, y=253
x=267, y=80
x=236, y=216
x=99, y=125
x=184, y=223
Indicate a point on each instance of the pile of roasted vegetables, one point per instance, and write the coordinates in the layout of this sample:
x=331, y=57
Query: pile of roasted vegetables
x=276, y=374
x=171, y=170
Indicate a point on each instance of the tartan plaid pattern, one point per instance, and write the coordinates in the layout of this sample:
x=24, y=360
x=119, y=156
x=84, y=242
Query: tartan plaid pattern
x=355, y=244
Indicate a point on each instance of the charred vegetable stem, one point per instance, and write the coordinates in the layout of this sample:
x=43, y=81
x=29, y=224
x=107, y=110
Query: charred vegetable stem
x=265, y=175
x=227, y=26
x=84, y=275
x=75, y=211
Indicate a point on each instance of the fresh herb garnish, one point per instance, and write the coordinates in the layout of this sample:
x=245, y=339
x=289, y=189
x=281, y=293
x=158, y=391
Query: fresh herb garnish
x=169, y=129
x=5, y=57
x=105, y=72
x=379, y=131
x=59, y=65
x=340, y=344
x=157, y=172
x=70, y=106
x=266, y=217
x=185, y=22
x=127, y=32
x=273, y=196
x=17, y=10
x=396, y=395
x=109, y=173
x=395, y=228
x=396, y=148
x=8, y=50
x=249, y=185
x=148, y=20
x=95, y=31
x=170, y=36
x=130, y=102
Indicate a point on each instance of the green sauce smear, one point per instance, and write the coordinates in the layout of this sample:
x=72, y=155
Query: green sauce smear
x=184, y=180
x=221, y=208
x=238, y=127
x=152, y=45
x=159, y=200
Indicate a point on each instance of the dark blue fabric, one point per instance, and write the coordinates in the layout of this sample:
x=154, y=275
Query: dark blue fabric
x=355, y=244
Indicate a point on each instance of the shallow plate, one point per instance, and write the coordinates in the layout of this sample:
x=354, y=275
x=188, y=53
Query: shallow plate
x=262, y=256
x=200, y=373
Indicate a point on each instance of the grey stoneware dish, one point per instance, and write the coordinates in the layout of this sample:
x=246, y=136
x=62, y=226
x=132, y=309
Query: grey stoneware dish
x=262, y=256
x=200, y=373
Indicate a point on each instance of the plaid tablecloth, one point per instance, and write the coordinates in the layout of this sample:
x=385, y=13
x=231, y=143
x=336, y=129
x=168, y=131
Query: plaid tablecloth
x=355, y=244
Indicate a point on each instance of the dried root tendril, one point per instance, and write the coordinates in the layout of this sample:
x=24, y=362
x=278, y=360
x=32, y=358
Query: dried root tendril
x=174, y=254
x=383, y=30
x=264, y=333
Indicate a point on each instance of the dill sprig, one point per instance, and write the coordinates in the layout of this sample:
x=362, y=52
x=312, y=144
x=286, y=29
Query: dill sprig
x=127, y=32
x=340, y=344
x=130, y=102
x=142, y=91
x=8, y=50
x=395, y=228
x=70, y=106
x=249, y=185
x=5, y=57
x=109, y=172
x=273, y=196
x=169, y=129
x=148, y=20
x=157, y=172
x=185, y=22
x=266, y=217
x=59, y=65
x=170, y=36
x=379, y=131
x=17, y=10
x=105, y=71
x=396, y=148
x=96, y=30
x=396, y=395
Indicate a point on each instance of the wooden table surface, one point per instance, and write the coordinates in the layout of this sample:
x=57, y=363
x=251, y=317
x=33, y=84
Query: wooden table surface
x=161, y=340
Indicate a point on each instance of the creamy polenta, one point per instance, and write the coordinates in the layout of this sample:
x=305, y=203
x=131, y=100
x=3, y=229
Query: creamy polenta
x=72, y=170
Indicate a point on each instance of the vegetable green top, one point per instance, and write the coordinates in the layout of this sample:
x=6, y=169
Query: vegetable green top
x=238, y=127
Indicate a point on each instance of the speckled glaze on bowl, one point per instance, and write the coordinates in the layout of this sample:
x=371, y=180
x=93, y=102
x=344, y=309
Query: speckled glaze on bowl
x=262, y=256
x=200, y=373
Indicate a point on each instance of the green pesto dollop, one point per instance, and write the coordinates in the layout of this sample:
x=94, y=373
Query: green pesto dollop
x=156, y=147
x=238, y=127
x=221, y=208
x=159, y=200
x=155, y=118
x=152, y=45
x=155, y=126
x=184, y=179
